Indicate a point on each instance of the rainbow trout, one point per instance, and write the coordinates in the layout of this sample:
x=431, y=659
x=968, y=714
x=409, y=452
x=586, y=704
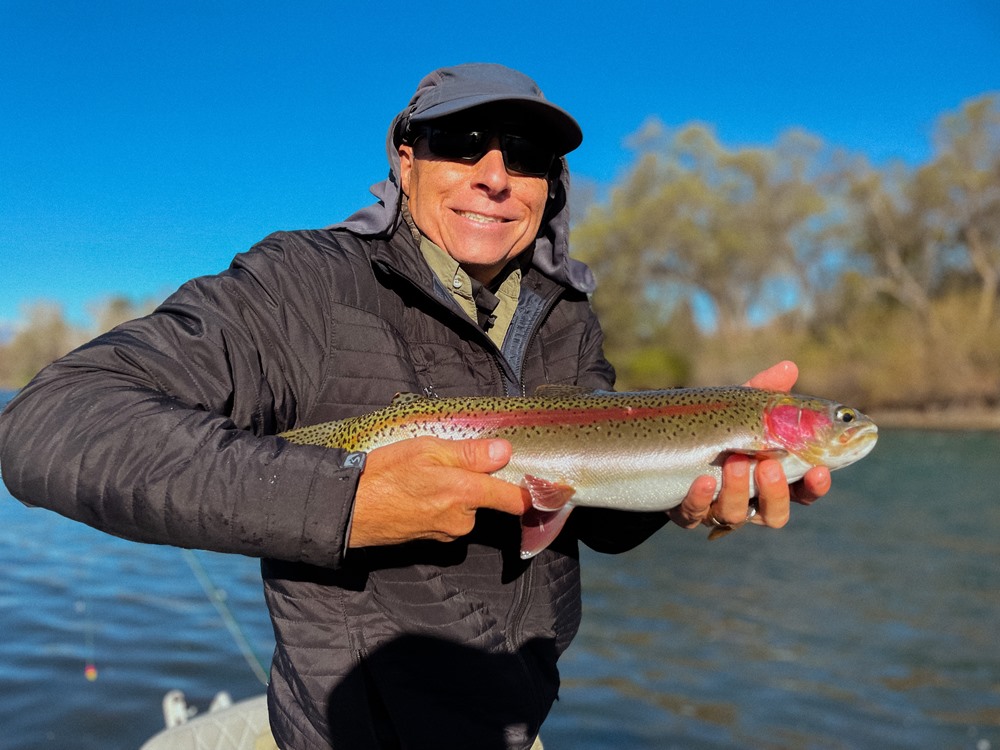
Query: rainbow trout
x=629, y=451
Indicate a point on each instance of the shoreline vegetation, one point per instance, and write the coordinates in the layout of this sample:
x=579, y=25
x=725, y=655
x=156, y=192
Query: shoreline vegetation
x=881, y=282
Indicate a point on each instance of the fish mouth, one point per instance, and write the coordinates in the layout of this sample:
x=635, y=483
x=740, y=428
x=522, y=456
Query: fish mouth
x=861, y=431
x=857, y=442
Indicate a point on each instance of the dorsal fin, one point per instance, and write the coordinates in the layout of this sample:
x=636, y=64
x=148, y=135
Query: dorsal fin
x=555, y=390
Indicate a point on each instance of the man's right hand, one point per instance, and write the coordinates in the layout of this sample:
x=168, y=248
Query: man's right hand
x=429, y=488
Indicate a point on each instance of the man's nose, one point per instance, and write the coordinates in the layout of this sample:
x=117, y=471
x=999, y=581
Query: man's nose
x=491, y=171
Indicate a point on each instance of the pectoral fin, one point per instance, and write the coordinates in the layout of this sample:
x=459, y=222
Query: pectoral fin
x=550, y=507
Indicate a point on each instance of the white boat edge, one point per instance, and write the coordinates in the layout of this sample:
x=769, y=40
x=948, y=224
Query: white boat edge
x=225, y=726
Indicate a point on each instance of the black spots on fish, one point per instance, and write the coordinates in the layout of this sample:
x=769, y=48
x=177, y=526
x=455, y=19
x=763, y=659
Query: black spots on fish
x=720, y=424
x=679, y=416
x=535, y=432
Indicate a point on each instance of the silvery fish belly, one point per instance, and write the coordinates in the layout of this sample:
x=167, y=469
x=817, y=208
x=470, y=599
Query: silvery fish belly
x=635, y=451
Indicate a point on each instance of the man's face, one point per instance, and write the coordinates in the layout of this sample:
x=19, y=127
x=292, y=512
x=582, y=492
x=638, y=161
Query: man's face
x=479, y=213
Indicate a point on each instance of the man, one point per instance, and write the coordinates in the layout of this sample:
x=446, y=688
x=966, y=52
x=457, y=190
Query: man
x=403, y=614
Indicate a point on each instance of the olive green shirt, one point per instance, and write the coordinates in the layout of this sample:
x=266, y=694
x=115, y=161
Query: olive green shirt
x=506, y=287
x=460, y=284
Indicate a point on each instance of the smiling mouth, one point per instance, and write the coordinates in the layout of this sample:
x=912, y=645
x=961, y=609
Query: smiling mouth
x=481, y=218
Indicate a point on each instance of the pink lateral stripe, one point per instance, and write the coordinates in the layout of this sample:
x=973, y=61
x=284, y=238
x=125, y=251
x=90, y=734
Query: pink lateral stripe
x=571, y=416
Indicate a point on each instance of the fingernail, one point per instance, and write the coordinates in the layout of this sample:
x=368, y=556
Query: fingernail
x=498, y=450
x=770, y=473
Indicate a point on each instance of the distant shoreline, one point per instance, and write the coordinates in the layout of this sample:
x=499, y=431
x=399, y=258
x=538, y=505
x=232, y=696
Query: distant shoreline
x=944, y=418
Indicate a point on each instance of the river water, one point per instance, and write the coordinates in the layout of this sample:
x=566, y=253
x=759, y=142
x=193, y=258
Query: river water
x=869, y=622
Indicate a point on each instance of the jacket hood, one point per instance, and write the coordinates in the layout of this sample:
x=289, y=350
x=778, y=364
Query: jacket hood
x=551, y=248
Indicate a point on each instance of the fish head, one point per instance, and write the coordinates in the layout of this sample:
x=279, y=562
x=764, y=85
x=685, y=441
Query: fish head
x=819, y=432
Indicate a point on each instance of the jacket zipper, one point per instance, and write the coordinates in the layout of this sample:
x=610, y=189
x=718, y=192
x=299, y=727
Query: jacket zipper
x=525, y=582
x=542, y=307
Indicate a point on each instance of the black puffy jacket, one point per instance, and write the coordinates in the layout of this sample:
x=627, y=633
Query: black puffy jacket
x=163, y=431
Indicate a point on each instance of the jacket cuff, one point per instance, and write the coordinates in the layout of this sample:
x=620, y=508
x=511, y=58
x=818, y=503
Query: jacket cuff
x=329, y=508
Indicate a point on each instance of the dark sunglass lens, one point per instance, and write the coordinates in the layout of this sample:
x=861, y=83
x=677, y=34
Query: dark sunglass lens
x=457, y=144
x=520, y=154
x=526, y=156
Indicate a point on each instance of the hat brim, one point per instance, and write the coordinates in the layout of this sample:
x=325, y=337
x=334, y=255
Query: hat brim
x=559, y=126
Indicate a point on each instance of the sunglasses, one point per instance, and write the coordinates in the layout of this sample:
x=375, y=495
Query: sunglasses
x=520, y=154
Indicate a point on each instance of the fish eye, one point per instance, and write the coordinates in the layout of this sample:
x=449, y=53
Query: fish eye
x=846, y=415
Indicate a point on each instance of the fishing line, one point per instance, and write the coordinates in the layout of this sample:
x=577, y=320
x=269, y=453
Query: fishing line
x=218, y=597
x=90, y=651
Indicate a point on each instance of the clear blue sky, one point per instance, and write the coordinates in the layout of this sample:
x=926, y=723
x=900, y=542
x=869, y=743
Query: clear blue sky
x=142, y=144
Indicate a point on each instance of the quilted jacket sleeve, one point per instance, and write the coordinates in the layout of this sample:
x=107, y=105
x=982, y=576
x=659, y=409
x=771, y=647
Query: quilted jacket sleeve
x=162, y=430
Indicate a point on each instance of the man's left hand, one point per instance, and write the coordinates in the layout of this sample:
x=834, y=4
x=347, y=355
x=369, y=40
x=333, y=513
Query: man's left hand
x=774, y=494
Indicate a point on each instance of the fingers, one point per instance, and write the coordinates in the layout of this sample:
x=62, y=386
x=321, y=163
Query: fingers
x=732, y=507
x=472, y=462
x=482, y=456
x=779, y=377
x=479, y=458
x=695, y=507
x=813, y=486
x=773, y=495
x=428, y=488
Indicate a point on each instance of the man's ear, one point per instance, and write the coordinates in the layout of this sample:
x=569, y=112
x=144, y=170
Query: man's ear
x=405, y=165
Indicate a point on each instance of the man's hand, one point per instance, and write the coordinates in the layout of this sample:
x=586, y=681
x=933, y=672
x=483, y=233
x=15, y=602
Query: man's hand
x=429, y=488
x=773, y=491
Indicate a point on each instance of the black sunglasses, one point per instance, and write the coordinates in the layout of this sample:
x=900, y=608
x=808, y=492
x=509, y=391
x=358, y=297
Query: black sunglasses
x=520, y=154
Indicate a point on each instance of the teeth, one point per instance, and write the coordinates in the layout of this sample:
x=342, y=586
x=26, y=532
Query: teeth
x=479, y=217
